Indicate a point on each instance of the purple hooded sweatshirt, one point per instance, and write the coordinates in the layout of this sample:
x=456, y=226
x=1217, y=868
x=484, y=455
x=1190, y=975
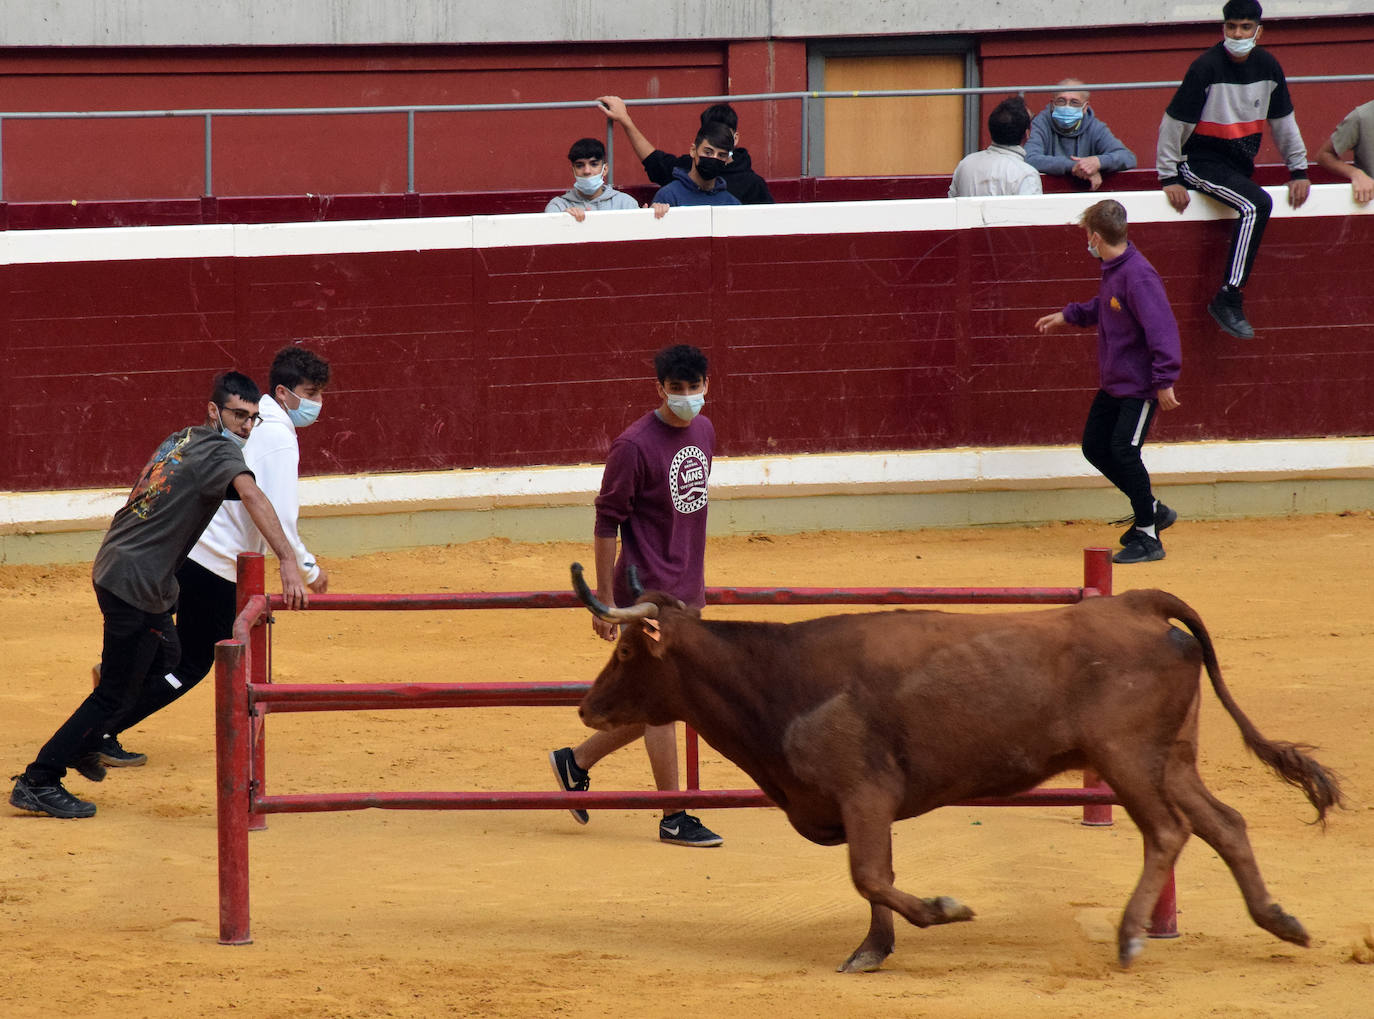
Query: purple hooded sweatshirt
x=1138, y=349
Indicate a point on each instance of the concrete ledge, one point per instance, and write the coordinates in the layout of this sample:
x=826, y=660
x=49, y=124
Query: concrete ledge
x=861, y=491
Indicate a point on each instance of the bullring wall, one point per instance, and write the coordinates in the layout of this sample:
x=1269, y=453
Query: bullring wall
x=506, y=342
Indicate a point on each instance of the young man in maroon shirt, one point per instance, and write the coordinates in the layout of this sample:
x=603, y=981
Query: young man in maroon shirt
x=653, y=497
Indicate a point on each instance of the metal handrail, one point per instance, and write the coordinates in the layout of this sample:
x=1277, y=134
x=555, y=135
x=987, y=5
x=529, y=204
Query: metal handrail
x=804, y=96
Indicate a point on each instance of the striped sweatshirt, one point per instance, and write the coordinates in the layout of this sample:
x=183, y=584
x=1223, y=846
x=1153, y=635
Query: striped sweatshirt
x=1219, y=112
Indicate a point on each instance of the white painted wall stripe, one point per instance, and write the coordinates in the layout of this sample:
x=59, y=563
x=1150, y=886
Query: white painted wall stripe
x=30, y=247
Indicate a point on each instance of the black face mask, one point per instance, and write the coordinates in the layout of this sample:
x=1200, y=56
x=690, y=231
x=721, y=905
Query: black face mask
x=709, y=167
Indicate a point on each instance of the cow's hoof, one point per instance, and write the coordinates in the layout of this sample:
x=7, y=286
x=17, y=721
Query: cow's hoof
x=943, y=909
x=1129, y=949
x=1284, y=926
x=864, y=960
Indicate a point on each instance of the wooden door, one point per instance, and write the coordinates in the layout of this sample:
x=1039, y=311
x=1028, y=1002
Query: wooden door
x=893, y=136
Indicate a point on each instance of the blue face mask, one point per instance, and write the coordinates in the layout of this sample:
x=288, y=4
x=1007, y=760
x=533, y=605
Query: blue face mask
x=687, y=407
x=238, y=440
x=305, y=413
x=1067, y=117
x=589, y=185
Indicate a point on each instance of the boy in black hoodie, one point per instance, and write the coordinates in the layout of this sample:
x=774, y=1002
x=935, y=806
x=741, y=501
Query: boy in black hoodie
x=740, y=178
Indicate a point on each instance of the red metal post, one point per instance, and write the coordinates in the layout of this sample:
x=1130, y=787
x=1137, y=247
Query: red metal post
x=1097, y=572
x=1097, y=582
x=232, y=790
x=693, y=758
x=252, y=580
x=1164, y=920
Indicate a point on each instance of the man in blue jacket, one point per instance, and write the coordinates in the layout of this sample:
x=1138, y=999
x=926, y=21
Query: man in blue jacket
x=704, y=183
x=1067, y=140
x=1138, y=359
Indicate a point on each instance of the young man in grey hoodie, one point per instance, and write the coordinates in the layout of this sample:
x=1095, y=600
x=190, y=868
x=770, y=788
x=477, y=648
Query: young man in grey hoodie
x=1067, y=139
x=591, y=192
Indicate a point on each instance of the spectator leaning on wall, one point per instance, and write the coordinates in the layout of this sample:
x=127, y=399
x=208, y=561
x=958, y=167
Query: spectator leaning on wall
x=1354, y=133
x=1067, y=140
x=1001, y=168
x=590, y=191
x=740, y=178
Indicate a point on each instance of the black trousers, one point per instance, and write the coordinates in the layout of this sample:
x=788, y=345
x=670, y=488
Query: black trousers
x=137, y=646
x=1112, y=437
x=205, y=616
x=1231, y=187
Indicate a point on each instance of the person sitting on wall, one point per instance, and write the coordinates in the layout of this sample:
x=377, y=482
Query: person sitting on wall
x=704, y=183
x=1067, y=139
x=1208, y=139
x=739, y=175
x=1001, y=168
x=591, y=192
x=1354, y=133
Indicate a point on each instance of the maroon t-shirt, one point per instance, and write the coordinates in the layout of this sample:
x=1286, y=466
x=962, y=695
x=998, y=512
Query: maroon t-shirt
x=653, y=493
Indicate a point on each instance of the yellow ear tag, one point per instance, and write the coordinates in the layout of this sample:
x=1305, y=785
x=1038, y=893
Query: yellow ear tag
x=651, y=630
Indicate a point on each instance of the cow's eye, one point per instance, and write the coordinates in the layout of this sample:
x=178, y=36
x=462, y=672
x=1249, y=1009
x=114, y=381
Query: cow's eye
x=623, y=651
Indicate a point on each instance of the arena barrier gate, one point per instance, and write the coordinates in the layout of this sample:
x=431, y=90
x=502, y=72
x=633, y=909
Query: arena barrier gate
x=245, y=693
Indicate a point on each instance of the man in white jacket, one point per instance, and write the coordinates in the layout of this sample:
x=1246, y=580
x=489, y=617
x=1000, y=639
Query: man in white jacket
x=205, y=608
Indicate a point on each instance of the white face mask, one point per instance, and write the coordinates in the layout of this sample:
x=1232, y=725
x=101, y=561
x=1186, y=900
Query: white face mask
x=1240, y=47
x=687, y=407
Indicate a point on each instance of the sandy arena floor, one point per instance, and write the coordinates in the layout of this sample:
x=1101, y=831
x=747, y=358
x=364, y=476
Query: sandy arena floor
x=392, y=913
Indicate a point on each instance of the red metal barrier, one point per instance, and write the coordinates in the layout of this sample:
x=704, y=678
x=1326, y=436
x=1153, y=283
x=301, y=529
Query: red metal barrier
x=245, y=694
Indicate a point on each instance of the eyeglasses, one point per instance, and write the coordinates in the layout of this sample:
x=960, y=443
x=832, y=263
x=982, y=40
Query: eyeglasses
x=240, y=416
x=1077, y=104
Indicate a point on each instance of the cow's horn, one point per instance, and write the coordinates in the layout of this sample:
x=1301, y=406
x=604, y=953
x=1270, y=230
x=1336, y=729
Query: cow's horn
x=632, y=578
x=644, y=610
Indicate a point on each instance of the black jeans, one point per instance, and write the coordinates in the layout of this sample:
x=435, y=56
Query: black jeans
x=205, y=616
x=137, y=645
x=1112, y=437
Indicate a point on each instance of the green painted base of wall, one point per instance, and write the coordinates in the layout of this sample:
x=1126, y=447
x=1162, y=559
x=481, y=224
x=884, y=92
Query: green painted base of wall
x=356, y=535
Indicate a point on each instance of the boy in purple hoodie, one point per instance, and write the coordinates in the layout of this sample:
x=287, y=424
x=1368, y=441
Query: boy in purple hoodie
x=1138, y=357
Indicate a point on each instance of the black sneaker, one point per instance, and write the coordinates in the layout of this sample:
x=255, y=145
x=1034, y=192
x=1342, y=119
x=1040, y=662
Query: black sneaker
x=571, y=778
x=52, y=800
x=1140, y=548
x=89, y=767
x=112, y=755
x=1226, y=309
x=1164, y=517
x=682, y=829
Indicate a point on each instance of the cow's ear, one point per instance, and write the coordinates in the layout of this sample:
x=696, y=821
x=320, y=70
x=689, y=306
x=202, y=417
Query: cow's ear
x=653, y=637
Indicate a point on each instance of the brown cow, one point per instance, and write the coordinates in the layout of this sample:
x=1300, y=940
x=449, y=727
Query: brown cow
x=851, y=722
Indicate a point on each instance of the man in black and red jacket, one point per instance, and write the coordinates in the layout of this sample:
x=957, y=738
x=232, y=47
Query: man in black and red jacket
x=1210, y=135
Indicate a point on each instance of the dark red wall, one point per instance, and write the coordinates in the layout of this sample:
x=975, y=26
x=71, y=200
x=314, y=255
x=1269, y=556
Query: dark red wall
x=534, y=355
x=164, y=158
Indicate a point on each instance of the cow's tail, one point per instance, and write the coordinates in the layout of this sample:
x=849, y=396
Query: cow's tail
x=1290, y=761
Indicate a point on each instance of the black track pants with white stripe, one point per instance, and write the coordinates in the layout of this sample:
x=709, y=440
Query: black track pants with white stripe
x=1112, y=437
x=1231, y=187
